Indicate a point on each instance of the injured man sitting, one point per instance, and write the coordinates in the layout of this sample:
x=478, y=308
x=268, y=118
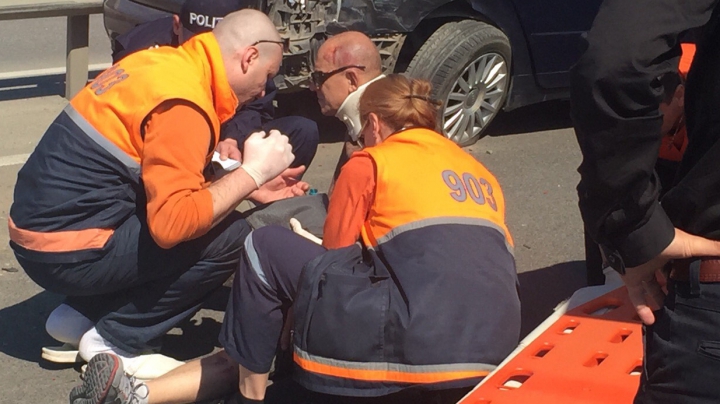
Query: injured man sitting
x=411, y=293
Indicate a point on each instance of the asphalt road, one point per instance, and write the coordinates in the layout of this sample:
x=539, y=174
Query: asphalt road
x=532, y=151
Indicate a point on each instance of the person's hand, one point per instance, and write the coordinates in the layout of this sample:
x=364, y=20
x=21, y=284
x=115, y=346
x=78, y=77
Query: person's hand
x=228, y=148
x=266, y=156
x=298, y=229
x=286, y=185
x=643, y=287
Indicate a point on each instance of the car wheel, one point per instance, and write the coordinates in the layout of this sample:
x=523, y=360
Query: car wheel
x=468, y=64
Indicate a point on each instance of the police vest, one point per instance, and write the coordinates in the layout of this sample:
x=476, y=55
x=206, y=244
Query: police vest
x=83, y=179
x=432, y=301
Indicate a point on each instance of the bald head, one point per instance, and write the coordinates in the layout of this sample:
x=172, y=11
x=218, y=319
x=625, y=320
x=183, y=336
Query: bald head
x=243, y=28
x=250, y=57
x=352, y=48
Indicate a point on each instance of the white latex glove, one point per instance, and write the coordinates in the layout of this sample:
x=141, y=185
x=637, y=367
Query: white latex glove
x=265, y=157
x=297, y=228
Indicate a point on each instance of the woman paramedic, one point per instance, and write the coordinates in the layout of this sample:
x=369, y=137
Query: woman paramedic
x=414, y=287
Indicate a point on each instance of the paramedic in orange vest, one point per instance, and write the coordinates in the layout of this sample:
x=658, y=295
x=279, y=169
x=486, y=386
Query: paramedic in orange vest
x=112, y=209
x=418, y=287
x=414, y=285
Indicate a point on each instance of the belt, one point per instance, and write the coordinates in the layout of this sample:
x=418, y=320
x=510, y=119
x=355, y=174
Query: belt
x=709, y=269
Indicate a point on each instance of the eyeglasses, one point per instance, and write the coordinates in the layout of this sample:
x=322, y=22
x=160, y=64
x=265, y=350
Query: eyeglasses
x=283, y=44
x=361, y=135
x=318, y=78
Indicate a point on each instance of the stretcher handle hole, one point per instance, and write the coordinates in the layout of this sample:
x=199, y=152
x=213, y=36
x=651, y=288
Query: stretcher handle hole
x=569, y=328
x=596, y=360
x=636, y=370
x=515, y=381
x=621, y=336
x=544, y=350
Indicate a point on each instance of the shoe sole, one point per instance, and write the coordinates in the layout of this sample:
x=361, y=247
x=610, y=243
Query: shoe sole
x=55, y=355
x=103, y=372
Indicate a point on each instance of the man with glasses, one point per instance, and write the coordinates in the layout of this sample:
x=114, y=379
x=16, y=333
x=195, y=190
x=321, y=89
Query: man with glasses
x=112, y=209
x=196, y=17
x=345, y=64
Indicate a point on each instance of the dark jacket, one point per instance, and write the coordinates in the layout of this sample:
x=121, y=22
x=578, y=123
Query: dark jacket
x=615, y=96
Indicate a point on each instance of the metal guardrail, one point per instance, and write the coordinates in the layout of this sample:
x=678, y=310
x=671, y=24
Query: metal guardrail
x=78, y=30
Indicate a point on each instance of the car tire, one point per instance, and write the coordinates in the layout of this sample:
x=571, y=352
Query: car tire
x=468, y=64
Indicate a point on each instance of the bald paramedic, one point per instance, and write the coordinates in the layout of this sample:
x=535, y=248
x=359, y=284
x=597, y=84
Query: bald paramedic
x=112, y=209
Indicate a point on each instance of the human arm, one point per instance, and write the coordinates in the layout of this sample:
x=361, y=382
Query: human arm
x=615, y=98
x=349, y=147
x=176, y=142
x=350, y=202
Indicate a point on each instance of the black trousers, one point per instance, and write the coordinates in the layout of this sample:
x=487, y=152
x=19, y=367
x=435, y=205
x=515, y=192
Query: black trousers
x=682, y=347
x=138, y=291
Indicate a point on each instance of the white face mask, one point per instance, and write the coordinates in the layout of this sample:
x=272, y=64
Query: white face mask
x=349, y=112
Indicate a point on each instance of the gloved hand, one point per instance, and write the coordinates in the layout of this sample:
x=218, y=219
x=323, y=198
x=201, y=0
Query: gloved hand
x=266, y=157
x=297, y=228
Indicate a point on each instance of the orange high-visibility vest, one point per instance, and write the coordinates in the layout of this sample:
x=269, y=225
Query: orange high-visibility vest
x=449, y=183
x=437, y=302
x=97, y=141
x=118, y=101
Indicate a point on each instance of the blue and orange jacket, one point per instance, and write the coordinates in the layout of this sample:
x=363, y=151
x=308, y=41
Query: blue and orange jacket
x=438, y=305
x=122, y=147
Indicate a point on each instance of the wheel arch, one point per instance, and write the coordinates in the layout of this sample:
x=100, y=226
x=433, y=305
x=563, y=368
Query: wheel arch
x=500, y=14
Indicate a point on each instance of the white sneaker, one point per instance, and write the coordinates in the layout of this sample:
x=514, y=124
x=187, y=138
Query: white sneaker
x=151, y=366
x=67, y=325
x=143, y=367
x=65, y=353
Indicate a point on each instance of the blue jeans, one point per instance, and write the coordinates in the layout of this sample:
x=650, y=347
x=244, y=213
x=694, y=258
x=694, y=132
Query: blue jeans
x=682, y=348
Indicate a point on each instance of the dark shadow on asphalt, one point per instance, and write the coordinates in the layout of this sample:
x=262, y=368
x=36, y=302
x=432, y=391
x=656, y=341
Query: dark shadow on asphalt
x=542, y=289
x=23, y=334
x=32, y=87
x=23, y=327
x=549, y=115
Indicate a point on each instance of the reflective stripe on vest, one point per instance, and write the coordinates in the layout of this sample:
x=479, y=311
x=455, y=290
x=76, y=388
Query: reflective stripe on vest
x=443, y=220
x=59, y=241
x=101, y=140
x=389, y=372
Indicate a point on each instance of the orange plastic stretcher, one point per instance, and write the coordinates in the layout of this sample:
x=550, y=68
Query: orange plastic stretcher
x=590, y=354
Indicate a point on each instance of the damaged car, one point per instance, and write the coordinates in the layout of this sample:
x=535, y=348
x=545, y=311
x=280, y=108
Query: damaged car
x=481, y=56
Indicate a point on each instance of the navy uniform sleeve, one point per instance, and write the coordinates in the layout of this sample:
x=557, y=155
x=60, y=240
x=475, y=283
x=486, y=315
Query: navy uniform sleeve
x=157, y=32
x=615, y=96
x=251, y=117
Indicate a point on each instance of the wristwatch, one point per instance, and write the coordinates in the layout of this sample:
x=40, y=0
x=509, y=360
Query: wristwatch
x=613, y=258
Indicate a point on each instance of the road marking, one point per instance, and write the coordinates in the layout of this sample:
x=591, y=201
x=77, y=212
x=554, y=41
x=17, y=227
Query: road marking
x=51, y=71
x=13, y=160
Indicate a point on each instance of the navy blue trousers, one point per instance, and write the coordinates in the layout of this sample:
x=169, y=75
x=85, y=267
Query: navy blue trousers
x=682, y=348
x=263, y=289
x=138, y=291
x=303, y=135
